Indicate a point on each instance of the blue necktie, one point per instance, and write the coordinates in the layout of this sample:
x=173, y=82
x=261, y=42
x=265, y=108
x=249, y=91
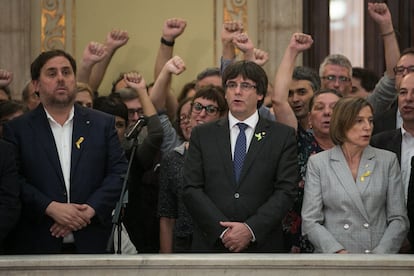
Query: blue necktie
x=239, y=151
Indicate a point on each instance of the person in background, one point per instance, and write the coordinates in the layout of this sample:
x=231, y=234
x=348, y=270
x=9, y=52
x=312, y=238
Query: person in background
x=176, y=226
x=354, y=201
x=30, y=98
x=84, y=95
x=8, y=111
x=363, y=82
x=6, y=78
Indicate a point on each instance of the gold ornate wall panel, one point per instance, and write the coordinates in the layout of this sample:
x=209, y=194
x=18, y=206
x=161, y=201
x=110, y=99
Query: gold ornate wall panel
x=57, y=26
x=235, y=10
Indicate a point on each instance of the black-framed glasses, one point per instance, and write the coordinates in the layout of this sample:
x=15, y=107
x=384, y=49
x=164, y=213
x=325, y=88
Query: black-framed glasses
x=244, y=86
x=197, y=107
x=333, y=78
x=399, y=70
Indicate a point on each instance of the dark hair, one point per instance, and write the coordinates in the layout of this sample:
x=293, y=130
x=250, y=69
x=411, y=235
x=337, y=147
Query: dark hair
x=408, y=51
x=119, y=78
x=177, y=116
x=248, y=70
x=343, y=117
x=125, y=94
x=208, y=72
x=309, y=74
x=367, y=77
x=40, y=61
x=112, y=106
x=10, y=107
x=320, y=92
x=186, y=89
x=215, y=94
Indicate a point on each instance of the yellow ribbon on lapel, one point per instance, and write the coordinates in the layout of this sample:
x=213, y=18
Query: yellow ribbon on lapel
x=79, y=142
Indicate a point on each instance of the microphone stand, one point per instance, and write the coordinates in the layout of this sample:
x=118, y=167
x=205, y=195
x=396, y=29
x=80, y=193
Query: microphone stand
x=120, y=205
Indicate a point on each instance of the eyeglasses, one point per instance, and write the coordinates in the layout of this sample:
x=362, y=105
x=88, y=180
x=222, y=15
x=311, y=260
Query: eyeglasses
x=399, y=70
x=244, y=86
x=198, y=107
x=184, y=119
x=132, y=111
x=332, y=78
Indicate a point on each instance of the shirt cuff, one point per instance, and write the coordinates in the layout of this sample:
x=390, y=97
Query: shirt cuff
x=251, y=231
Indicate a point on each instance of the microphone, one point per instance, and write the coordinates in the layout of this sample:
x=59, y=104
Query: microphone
x=136, y=129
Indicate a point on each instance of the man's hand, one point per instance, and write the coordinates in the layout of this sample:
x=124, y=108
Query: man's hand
x=380, y=13
x=135, y=81
x=237, y=237
x=6, y=77
x=68, y=215
x=230, y=30
x=116, y=39
x=94, y=53
x=175, y=65
x=300, y=42
x=173, y=28
x=260, y=56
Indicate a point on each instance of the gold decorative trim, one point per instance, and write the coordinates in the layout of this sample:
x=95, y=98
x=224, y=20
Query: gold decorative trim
x=235, y=10
x=53, y=25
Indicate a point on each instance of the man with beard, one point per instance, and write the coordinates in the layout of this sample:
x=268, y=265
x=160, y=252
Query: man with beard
x=70, y=162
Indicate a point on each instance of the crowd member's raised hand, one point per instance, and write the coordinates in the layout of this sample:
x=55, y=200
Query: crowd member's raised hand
x=300, y=42
x=135, y=81
x=93, y=53
x=160, y=92
x=116, y=39
x=175, y=65
x=173, y=28
x=6, y=77
x=260, y=57
x=229, y=31
x=380, y=13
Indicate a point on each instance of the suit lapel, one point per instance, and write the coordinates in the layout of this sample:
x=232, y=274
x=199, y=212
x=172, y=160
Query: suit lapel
x=345, y=178
x=223, y=141
x=80, y=136
x=366, y=167
x=258, y=140
x=44, y=138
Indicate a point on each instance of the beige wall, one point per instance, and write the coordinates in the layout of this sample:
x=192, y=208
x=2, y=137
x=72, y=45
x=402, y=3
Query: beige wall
x=143, y=20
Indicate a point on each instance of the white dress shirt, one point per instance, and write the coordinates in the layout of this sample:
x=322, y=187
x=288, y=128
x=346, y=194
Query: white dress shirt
x=63, y=141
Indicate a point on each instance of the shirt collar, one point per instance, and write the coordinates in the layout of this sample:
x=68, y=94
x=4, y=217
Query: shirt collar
x=50, y=118
x=250, y=121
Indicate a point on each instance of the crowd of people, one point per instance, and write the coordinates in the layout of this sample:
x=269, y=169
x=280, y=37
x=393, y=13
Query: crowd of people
x=234, y=163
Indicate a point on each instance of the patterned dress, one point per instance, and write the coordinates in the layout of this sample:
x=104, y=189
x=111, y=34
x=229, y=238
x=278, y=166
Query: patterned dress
x=295, y=242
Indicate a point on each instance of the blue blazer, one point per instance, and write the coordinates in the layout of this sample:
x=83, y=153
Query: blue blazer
x=97, y=164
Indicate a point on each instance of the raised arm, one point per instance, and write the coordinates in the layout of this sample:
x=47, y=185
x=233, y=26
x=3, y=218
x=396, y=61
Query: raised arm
x=171, y=29
x=161, y=87
x=246, y=46
x=135, y=81
x=228, y=32
x=283, y=112
x=380, y=13
x=114, y=40
x=94, y=52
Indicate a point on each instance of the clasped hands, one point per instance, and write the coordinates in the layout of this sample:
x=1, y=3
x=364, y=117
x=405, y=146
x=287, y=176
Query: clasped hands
x=236, y=237
x=68, y=217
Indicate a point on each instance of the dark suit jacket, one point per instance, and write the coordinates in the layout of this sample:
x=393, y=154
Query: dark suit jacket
x=387, y=120
x=97, y=164
x=263, y=195
x=391, y=140
x=9, y=191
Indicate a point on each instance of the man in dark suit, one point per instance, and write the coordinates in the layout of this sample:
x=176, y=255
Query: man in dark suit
x=236, y=205
x=71, y=161
x=9, y=191
x=401, y=141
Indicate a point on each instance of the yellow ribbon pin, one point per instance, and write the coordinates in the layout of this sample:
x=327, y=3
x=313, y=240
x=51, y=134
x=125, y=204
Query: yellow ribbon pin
x=259, y=136
x=79, y=142
x=366, y=174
